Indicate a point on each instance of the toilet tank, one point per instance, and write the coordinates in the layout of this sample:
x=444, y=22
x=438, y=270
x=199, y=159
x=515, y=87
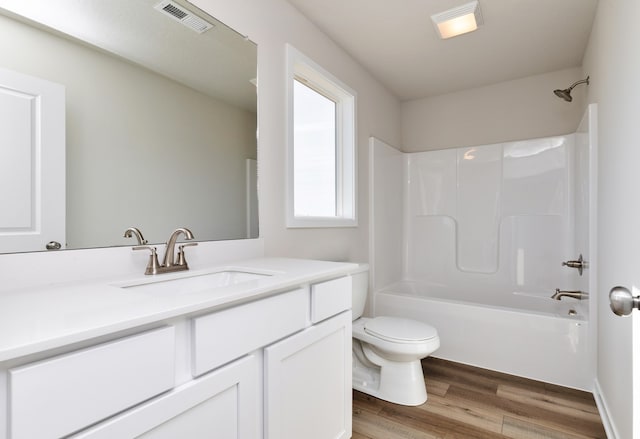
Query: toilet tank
x=360, y=287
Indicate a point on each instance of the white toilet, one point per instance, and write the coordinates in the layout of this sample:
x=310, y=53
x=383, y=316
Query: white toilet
x=387, y=351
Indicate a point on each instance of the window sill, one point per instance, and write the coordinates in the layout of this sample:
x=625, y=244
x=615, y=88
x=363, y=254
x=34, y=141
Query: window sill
x=320, y=222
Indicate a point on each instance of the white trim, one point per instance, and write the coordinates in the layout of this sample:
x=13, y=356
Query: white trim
x=372, y=222
x=251, y=167
x=300, y=66
x=601, y=403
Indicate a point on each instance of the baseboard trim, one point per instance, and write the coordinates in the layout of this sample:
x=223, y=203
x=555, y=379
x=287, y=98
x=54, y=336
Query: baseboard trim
x=601, y=403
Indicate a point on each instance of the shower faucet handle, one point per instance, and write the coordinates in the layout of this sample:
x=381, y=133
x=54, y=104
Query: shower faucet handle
x=580, y=264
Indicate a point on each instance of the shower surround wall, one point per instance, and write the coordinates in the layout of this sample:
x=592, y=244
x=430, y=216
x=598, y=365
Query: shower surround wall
x=495, y=216
x=475, y=244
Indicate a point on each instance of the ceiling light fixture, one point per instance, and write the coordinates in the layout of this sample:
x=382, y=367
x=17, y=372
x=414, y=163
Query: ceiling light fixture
x=458, y=20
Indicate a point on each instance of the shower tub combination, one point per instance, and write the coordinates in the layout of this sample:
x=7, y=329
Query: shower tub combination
x=522, y=334
x=478, y=248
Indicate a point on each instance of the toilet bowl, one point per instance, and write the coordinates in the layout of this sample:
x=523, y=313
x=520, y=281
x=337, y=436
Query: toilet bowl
x=387, y=351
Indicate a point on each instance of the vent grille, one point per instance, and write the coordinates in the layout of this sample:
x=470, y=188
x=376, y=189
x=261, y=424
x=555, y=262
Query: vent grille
x=184, y=16
x=178, y=13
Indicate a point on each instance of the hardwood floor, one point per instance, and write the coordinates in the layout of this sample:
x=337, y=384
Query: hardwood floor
x=467, y=402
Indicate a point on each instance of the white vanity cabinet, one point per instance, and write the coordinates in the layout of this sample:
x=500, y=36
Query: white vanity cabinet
x=308, y=375
x=308, y=383
x=274, y=367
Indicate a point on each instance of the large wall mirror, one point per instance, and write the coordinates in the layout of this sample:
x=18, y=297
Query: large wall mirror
x=160, y=116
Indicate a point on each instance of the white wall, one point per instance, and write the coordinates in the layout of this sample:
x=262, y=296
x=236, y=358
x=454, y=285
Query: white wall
x=613, y=63
x=271, y=24
x=387, y=210
x=520, y=109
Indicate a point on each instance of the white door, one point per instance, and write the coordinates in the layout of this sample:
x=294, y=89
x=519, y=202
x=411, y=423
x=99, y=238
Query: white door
x=619, y=265
x=32, y=162
x=619, y=260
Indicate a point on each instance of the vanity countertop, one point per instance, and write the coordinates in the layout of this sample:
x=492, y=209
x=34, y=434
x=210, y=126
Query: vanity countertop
x=38, y=319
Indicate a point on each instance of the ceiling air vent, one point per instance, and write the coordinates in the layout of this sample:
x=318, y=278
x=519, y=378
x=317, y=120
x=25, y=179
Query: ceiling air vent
x=184, y=16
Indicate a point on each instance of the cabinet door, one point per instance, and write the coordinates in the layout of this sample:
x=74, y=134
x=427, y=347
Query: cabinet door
x=308, y=383
x=224, y=404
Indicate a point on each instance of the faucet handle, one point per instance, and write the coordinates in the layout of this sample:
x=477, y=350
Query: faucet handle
x=579, y=263
x=153, y=265
x=144, y=247
x=181, y=258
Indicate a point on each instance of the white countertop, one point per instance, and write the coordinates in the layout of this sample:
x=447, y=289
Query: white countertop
x=38, y=319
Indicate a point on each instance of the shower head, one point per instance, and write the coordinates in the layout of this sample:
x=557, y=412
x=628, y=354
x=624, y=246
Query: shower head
x=566, y=93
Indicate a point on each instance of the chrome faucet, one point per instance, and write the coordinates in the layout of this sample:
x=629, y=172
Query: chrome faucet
x=169, y=253
x=580, y=295
x=134, y=231
x=169, y=263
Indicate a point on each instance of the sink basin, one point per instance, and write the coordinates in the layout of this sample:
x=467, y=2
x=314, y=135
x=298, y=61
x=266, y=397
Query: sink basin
x=197, y=282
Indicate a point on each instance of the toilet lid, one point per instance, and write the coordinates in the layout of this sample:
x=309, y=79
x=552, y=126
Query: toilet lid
x=399, y=329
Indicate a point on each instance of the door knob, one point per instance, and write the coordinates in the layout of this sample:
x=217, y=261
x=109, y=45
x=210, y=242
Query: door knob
x=622, y=302
x=53, y=245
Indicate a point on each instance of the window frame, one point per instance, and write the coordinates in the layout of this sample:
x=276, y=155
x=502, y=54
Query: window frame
x=312, y=75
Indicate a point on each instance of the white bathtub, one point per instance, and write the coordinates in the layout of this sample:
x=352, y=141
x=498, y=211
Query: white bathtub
x=524, y=334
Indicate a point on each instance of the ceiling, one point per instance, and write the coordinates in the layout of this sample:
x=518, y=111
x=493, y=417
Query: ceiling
x=396, y=40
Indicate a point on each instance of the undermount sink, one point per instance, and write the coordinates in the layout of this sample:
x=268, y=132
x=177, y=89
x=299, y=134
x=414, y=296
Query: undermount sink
x=196, y=282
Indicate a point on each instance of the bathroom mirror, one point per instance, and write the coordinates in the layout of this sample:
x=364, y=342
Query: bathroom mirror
x=160, y=108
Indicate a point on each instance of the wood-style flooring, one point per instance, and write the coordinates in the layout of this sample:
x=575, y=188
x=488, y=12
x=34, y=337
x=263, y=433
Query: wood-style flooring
x=467, y=402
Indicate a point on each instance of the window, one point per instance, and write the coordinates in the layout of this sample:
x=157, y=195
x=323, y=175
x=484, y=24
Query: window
x=321, y=159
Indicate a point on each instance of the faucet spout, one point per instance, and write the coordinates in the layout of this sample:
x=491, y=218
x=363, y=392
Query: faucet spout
x=580, y=295
x=169, y=255
x=134, y=231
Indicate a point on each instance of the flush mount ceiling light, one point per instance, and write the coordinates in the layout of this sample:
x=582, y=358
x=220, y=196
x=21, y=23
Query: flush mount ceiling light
x=458, y=20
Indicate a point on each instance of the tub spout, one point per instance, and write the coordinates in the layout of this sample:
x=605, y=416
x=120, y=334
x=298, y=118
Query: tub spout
x=580, y=295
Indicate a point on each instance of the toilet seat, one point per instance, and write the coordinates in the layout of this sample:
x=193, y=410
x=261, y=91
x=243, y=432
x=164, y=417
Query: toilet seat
x=399, y=330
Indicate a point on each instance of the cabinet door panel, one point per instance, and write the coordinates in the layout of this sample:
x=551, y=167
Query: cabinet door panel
x=215, y=417
x=223, y=404
x=308, y=387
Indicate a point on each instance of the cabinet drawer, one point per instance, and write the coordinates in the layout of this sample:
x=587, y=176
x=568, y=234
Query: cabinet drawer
x=57, y=396
x=228, y=334
x=330, y=298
